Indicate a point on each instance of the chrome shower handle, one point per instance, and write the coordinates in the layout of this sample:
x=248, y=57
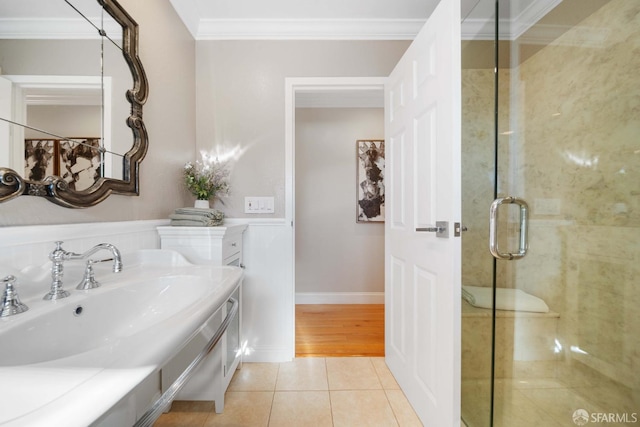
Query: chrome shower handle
x=524, y=228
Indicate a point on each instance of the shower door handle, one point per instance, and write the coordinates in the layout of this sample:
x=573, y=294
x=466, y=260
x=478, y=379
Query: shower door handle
x=524, y=226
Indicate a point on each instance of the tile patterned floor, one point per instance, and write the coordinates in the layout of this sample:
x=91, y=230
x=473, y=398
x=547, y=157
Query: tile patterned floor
x=349, y=391
x=537, y=402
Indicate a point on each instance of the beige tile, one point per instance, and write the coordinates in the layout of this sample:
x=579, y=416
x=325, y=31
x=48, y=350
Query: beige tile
x=520, y=412
x=255, y=377
x=558, y=404
x=402, y=409
x=611, y=398
x=185, y=414
x=352, y=373
x=384, y=374
x=535, y=383
x=304, y=373
x=476, y=402
x=243, y=408
x=361, y=408
x=301, y=408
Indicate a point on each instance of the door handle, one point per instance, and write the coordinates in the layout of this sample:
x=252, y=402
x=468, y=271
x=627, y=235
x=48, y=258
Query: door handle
x=523, y=245
x=441, y=229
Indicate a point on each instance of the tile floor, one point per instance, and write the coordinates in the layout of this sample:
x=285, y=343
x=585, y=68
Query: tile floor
x=341, y=391
x=538, y=402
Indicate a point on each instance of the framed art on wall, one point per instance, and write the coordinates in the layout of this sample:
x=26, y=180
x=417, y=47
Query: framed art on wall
x=76, y=160
x=39, y=158
x=80, y=162
x=370, y=180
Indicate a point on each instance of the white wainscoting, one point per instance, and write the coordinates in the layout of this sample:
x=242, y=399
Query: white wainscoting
x=268, y=298
x=268, y=292
x=23, y=246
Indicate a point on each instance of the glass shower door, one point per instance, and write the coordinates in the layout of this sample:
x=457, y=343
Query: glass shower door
x=567, y=315
x=551, y=116
x=478, y=191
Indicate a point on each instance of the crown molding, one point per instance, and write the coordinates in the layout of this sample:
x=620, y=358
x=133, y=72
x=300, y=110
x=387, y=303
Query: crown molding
x=308, y=29
x=61, y=90
x=55, y=28
x=510, y=29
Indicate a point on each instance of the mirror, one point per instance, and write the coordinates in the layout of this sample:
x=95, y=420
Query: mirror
x=72, y=88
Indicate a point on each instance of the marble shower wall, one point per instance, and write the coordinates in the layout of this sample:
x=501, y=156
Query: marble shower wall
x=478, y=176
x=579, y=127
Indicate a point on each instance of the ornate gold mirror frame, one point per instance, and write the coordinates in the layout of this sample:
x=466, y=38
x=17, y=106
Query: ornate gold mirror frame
x=54, y=188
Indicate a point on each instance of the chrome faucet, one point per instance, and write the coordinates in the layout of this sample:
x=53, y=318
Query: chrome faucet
x=10, y=302
x=59, y=255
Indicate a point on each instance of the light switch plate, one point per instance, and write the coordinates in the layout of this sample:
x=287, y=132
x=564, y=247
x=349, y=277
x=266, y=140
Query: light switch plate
x=258, y=205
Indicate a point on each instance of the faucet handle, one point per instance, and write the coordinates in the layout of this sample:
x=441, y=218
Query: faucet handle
x=57, y=257
x=58, y=253
x=10, y=301
x=89, y=281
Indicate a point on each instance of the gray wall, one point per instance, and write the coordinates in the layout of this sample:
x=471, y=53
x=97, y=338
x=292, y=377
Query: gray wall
x=239, y=105
x=169, y=60
x=240, y=101
x=334, y=253
x=69, y=120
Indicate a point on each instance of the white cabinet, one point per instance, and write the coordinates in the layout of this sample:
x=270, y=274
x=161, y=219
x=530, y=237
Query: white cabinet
x=213, y=246
x=205, y=245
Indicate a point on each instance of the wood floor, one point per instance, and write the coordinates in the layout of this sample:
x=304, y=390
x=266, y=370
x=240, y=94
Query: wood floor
x=340, y=330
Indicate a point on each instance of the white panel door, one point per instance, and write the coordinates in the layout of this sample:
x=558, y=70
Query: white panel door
x=422, y=283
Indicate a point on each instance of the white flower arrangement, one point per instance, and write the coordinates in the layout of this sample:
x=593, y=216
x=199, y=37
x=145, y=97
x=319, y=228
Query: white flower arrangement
x=208, y=179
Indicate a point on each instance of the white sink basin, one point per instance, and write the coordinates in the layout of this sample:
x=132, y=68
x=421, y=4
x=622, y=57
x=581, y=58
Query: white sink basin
x=98, y=319
x=104, y=340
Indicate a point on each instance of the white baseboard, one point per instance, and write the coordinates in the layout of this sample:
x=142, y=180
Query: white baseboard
x=339, y=297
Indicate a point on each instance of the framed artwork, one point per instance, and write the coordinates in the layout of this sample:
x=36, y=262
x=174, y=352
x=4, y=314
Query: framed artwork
x=370, y=180
x=39, y=158
x=78, y=163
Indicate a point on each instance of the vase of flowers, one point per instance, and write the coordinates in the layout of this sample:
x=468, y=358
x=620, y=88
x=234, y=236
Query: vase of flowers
x=207, y=180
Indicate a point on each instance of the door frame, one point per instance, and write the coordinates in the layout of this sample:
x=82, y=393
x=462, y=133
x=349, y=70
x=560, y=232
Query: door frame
x=37, y=86
x=293, y=85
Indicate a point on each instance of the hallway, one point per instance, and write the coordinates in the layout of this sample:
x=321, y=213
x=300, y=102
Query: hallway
x=338, y=330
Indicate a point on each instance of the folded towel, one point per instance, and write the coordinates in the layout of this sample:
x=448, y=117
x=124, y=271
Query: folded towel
x=197, y=217
x=203, y=222
x=506, y=299
x=199, y=212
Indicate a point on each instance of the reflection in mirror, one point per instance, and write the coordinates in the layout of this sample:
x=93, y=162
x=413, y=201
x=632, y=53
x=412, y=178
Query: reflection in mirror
x=64, y=107
x=117, y=133
x=66, y=125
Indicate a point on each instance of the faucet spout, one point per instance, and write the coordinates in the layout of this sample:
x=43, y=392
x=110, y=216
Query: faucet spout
x=115, y=253
x=59, y=255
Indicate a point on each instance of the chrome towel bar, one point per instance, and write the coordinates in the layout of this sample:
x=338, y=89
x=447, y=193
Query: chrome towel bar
x=167, y=397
